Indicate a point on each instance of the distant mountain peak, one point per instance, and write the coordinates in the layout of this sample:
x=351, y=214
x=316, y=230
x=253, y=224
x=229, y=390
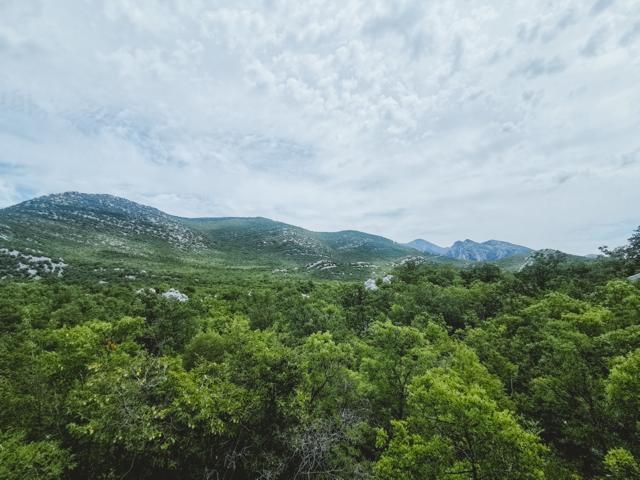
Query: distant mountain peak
x=425, y=246
x=490, y=250
x=471, y=250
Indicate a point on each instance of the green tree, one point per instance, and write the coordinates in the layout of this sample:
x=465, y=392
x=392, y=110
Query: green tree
x=628, y=255
x=21, y=460
x=327, y=382
x=120, y=416
x=456, y=429
x=623, y=394
x=394, y=356
x=620, y=465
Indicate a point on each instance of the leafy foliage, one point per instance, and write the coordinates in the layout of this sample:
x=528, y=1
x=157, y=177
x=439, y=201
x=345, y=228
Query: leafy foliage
x=441, y=372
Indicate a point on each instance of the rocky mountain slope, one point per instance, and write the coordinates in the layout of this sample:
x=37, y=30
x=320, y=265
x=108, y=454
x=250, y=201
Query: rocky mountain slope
x=486, y=251
x=72, y=228
x=468, y=250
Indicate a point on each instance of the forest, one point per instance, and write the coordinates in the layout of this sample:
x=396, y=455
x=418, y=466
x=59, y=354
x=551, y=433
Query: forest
x=439, y=372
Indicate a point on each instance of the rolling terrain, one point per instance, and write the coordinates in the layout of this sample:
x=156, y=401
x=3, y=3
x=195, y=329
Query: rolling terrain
x=102, y=230
x=62, y=233
x=491, y=250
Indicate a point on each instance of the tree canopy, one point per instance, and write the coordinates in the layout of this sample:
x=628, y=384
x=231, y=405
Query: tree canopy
x=440, y=373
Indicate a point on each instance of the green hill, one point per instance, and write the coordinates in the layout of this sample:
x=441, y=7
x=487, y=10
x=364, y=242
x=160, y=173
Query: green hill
x=88, y=229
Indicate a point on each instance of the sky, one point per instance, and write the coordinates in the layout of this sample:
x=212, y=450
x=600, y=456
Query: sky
x=443, y=120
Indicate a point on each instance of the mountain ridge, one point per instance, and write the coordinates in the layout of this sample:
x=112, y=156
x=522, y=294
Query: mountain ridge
x=119, y=204
x=105, y=228
x=426, y=246
x=489, y=250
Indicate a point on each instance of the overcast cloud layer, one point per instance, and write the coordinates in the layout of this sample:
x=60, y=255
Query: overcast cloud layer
x=515, y=120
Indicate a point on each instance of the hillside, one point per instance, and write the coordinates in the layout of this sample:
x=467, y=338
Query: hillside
x=468, y=250
x=76, y=228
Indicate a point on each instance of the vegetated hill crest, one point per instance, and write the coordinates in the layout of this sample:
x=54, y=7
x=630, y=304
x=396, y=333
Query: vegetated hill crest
x=98, y=227
x=106, y=228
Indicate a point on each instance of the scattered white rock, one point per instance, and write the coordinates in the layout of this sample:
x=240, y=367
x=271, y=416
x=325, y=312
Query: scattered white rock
x=387, y=279
x=37, y=263
x=321, y=265
x=371, y=284
x=361, y=265
x=174, y=294
x=634, y=278
x=143, y=291
x=411, y=259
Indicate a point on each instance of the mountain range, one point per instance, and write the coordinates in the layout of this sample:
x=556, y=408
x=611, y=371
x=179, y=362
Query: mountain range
x=50, y=234
x=490, y=250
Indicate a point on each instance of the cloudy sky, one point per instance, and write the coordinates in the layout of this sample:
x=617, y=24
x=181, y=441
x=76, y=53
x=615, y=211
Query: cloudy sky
x=516, y=120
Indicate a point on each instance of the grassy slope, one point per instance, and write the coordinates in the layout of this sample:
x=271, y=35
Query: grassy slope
x=103, y=232
x=98, y=231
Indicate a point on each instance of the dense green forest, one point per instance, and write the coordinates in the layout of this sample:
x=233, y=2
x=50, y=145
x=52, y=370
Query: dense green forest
x=440, y=372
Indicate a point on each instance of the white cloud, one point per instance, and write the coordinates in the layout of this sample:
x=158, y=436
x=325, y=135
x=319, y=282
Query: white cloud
x=445, y=120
